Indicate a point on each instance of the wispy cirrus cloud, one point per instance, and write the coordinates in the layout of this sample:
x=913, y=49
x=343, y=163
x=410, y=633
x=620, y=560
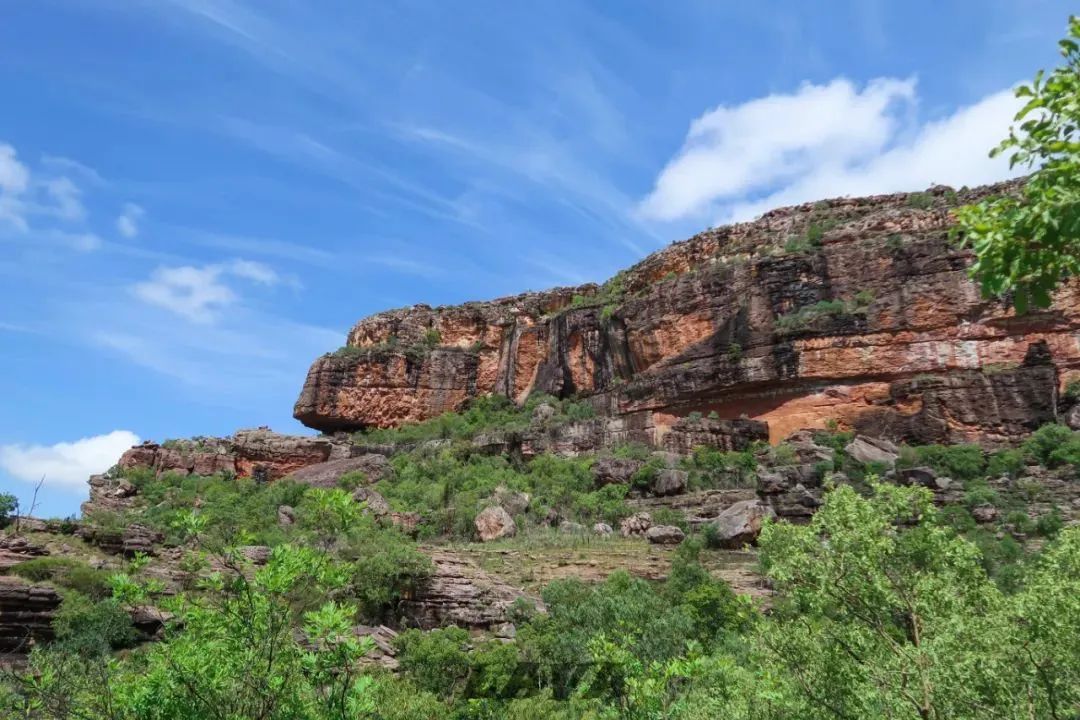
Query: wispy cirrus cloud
x=127, y=223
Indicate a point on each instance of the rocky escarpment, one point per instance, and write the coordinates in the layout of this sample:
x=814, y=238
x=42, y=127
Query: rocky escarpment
x=856, y=310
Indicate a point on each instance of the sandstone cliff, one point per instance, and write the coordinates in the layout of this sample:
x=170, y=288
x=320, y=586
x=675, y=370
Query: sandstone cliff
x=855, y=310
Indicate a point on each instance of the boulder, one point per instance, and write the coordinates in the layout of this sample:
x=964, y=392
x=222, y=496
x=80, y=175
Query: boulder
x=459, y=592
x=374, y=503
x=571, y=528
x=407, y=522
x=615, y=471
x=739, y=524
x=664, y=535
x=602, y=529
x=636, y=525
x=543, y=413
x=511, y=501
x=669, y=482
x=493, y=523
x=373, y=467
x=876, y=450
x=286, y=515
x=923, y=477
x=1072, y=417
x=150, y=621
x=984, y=514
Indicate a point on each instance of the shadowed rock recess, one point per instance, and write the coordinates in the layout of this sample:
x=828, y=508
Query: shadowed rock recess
x=858, y=310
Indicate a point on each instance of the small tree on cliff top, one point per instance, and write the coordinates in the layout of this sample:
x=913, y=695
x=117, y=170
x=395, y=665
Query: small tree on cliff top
x=1030, y=243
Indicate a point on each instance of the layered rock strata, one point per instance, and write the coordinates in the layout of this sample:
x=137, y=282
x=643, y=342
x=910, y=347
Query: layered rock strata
x=857, y=310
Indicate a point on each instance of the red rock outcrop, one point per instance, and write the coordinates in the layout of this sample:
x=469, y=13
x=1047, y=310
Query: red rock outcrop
x=26, y=613
x=857, y=310
x=259, y=453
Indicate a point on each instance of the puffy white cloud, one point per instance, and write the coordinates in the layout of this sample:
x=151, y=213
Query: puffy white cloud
x=128, y=222
x=826, y=141
x=193, y=292
x=66, y=463
x=198, y=293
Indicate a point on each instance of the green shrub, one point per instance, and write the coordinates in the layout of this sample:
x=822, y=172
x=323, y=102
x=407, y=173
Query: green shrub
x=670, y=516
x=1020, y=521
x=1045, y=441
x=1005, y=462
x=8, y=505
x=1050, y=524
x=1072, y=390
x=91, y=627
x=68, y=573
x=802, y=318
x=979, y=493
x=432, y=338
x=960, y=462
x=710, y=468
x=920, y=200
x=783, y=454
x=386, y=568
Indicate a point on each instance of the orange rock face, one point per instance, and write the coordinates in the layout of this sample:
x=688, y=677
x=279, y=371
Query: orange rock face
x=821, y=312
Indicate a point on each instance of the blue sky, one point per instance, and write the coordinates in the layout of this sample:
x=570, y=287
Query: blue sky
x=197, y=197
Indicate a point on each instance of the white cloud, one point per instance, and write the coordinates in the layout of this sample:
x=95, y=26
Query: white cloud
x=83, y=242
x=14, y=177
x=66, y=463
x=66, y=198
x=193, y=292
x=826, y=141
x=198, y=293
x=254, y=271
x=128, y=222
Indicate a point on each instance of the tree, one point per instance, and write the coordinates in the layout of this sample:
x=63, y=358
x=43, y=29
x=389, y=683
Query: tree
x=8, y=505
x=1027, y=244
x=882, y=611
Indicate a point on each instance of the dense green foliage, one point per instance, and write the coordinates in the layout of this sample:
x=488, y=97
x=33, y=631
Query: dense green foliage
x=880, y=610
x=484, y=414
x=1027, y=244
x=8, y=505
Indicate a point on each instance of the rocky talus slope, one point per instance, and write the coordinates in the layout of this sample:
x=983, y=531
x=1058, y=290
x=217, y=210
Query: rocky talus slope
x=857, y=310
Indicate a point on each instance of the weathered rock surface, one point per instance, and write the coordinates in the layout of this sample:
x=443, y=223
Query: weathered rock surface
x=26, y=613
x=135, y=538
x=740, y=524
x=669, y=481
x=460, y=593
x=872, y=450
x=493, y=523
x=664, y=535
x=372, y=466
x=374, y=503
x=636, y=525
x=876, y=325
x=15, y=549
x=699, y=507
x=260, y=453
x=615, y=471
